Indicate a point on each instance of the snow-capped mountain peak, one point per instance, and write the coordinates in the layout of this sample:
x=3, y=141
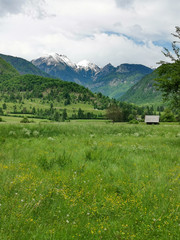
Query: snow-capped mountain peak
x=83, y=63
x=87, y=65
x=55, y=58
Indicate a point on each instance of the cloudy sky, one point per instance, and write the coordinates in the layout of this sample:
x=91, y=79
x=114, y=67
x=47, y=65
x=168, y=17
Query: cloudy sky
x=102, y=31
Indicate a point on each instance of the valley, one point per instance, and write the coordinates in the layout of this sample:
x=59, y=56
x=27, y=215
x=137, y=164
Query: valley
x=109, y=80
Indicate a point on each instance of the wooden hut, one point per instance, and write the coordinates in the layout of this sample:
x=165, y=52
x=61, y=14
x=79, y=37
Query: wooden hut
x=152, y=119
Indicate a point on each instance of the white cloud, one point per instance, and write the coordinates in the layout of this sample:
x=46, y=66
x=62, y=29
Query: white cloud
x=28, y=7
x=8, y=6
x=124, y=3
x=102, y=31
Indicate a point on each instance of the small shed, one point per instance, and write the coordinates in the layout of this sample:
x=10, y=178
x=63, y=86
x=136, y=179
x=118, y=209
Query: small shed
x=152, y=119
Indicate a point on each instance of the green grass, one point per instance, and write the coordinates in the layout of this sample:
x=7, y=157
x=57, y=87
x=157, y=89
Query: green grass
x=89, y=180
x=38, y=103
x=14, y=120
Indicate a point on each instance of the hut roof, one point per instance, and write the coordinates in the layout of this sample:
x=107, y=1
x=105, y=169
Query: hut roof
x=151, y=119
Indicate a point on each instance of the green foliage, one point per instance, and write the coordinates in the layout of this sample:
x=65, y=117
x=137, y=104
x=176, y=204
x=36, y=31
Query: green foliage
x=64, y=115
x=169, y=83
x=168, y=116
x=169, y=75
x=4, y=106
x=1, y=111
x=114, y=113
x=6, y=70
x=23, y=66
x=144, y=92
x=134, y=121
x=25, y=120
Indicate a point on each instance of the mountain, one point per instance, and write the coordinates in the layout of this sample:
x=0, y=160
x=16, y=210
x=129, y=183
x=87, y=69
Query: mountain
x=60, y=66
x=114, y=82
x=87, y=65
x=144, y=91
x=41, y=97
x=30, y=86
x=109, y=80
x=23, y=66
x=6, y=71
x=109, y=68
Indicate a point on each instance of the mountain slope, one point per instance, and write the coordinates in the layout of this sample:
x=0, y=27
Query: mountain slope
x=109, y=80
x=6, y=71
x=6, y=68
x=23, y=66
x=143, y=92
x=114, y=82
x=49, y=98
x=60, y=66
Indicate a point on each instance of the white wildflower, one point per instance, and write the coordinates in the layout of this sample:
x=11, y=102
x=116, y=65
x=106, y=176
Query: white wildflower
x=35, y=133
x=50, y=139
x=26, y=131
x=12, y=133
x=92, y=135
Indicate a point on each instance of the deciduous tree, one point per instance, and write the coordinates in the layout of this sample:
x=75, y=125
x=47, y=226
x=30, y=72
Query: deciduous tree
x=169, y=74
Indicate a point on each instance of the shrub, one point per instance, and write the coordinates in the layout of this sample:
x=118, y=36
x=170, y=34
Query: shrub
x=134, y=121
x=25, y=120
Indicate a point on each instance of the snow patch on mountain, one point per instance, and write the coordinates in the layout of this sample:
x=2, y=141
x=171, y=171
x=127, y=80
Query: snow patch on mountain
x=55, y=58
x=87, y=65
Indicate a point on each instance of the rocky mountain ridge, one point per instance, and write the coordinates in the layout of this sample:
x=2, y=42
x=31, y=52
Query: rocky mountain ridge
x=111, y=81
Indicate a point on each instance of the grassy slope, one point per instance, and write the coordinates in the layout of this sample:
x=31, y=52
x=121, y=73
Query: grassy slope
x=143, y=92
x=23, y=66
x=7, y=69
x=89, y=181
x=36, y=84
x=37, y=103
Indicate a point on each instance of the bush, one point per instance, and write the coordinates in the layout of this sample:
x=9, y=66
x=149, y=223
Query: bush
x=1, y=119
x=25, y=120
x=134, y=121
x=168, y=116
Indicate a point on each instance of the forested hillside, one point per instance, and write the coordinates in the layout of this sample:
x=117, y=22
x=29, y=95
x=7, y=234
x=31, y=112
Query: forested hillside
x=23, y=66
x=54, y=99
x=144, y=92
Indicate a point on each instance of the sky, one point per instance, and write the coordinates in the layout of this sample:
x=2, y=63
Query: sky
x=101, y=31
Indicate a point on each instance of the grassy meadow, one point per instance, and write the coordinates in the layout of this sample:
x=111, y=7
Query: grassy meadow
x=89, y=180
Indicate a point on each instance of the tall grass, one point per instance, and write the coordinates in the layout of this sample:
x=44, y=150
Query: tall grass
x=89, y=181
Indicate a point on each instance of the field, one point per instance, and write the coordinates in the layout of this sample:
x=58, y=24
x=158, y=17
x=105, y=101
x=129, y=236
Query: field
x=89, y=180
